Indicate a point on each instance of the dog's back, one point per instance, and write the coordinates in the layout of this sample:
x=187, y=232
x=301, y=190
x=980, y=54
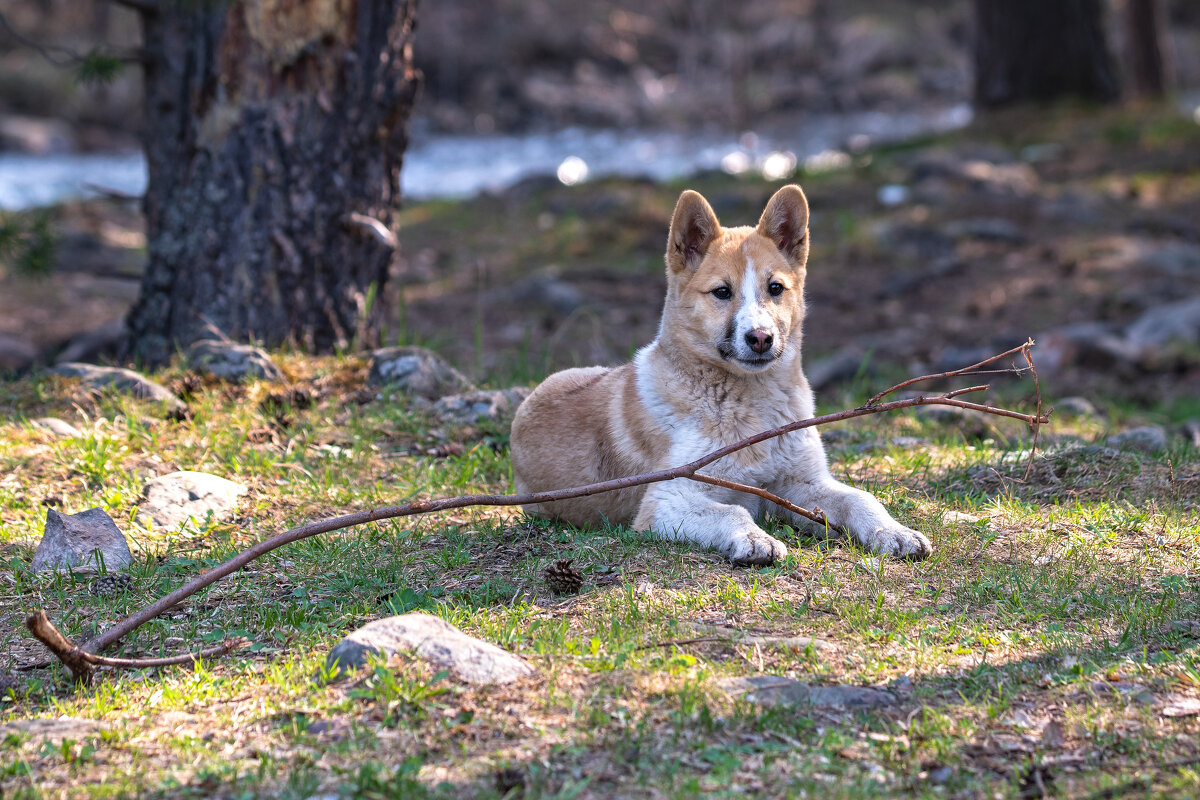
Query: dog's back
x=583, y=426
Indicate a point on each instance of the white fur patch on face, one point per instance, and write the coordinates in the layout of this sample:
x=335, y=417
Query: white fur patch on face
x=754, y=315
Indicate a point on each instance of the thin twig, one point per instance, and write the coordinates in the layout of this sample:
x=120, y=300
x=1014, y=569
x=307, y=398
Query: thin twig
x=954, y=372
x=83, y=668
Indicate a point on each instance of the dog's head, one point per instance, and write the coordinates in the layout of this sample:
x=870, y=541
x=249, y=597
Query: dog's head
x=735, y=296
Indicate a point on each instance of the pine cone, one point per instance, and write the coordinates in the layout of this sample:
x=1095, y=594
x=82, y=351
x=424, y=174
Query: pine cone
x=563, y=579
x=111, y=584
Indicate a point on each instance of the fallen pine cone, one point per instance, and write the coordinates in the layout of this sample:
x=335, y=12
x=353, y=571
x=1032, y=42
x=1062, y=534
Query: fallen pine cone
x=111, y=584
x=562, y=579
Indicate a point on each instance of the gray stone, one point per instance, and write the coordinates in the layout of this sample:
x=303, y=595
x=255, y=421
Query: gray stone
x=481, y=405
x=1174, y=325
x=992, y=229
x=774, y=690
x=1147, y=438
x=92, y=345
x=971, y=424
x=174, y=499
x=548, y=291
x=1092, y=345
x=59, y=428
x=232, y=361
x=1176, y=259
x=52, y=730
x=118, y=378
x=416, y=371
x=846, y=363
x=1191, y=432
x=81, y=542
x=15, y=354
x=1075, y=407
x=433, y=640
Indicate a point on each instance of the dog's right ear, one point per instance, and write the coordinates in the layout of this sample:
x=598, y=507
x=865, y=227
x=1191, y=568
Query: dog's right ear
x=694, y=226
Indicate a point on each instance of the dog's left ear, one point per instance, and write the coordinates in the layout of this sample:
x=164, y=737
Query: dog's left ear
x=785, y=222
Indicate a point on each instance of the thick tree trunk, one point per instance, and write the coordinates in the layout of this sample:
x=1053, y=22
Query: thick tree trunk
x=1144, y=31
x=275, y=134
x=1040, y=50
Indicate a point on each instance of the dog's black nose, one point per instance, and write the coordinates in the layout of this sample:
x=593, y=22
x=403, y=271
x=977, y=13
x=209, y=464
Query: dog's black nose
x=759, y=341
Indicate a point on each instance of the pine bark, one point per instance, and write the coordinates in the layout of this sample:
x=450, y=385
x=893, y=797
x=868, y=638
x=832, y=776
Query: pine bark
x=1147, y=64
x=269, y=123
x=1041, y=50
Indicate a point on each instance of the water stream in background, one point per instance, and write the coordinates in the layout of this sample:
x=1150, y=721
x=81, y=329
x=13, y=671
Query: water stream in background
x=461, y=166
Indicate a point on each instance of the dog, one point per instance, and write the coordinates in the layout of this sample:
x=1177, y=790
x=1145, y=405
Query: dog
x=724, y=366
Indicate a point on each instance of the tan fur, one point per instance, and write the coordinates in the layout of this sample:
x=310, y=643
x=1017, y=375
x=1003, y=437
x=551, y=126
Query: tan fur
x=726, y=365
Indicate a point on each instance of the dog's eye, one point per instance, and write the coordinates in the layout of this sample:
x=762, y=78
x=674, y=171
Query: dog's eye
x=722, y=293
x=775, y=288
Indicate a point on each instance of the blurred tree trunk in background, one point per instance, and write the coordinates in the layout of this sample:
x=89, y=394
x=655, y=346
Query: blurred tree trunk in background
x=275, y=132
x=1144, y=30
x=1037, y=50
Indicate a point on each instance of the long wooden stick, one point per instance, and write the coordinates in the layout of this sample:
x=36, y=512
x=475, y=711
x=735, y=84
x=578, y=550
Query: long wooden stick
x=83, y=667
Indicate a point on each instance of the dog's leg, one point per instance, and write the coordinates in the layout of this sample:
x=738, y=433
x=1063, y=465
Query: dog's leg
x=695, y=513
x=859, y=513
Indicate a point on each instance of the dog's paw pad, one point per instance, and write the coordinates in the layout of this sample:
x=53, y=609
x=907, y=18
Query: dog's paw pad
x=756, y=549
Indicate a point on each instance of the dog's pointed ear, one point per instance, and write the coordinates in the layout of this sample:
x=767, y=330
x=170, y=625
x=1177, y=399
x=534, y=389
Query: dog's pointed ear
x=785, y=222
x=694, y=226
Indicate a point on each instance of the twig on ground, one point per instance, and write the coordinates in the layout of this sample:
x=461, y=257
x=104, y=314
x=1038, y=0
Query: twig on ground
x=77, y=657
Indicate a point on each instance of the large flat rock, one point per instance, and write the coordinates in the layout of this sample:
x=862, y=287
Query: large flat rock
x=172, y=500
x=434, y=640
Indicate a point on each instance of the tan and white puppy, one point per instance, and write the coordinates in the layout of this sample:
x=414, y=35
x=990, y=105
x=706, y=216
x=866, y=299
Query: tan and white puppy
x=725, y=366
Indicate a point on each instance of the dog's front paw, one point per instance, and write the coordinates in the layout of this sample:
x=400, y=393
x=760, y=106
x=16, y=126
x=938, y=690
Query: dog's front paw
x=898, y=541
x=754, y=547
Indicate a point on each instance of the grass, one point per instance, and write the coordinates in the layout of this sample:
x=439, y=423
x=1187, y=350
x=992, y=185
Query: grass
x=1044, y=641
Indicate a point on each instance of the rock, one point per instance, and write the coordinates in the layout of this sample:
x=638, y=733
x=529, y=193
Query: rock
x=973, y=425
x=774, y=690
x=232, y=361
x=416, y=371
x=15, y=354
x=1147, y=438
x=548, y=291
x=1091, y=345
x=54, y=730
x=120, y=379
x=992, y=229
x=474, y=406
x=433, y=640
x=59, y=428
x=92, y=345
x=953, y=358
x=897, y=442
x=1180, y=706
x=1175, y=259
x=1075, y=407
x=81, y=542
x=173, y=499
x=842, y=365
x=1160, y=333
x=1191, y=432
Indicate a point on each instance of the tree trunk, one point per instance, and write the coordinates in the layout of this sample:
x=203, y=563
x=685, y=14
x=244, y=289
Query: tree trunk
x=1143, y=29
x=1041, y=50
x=275, y=131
